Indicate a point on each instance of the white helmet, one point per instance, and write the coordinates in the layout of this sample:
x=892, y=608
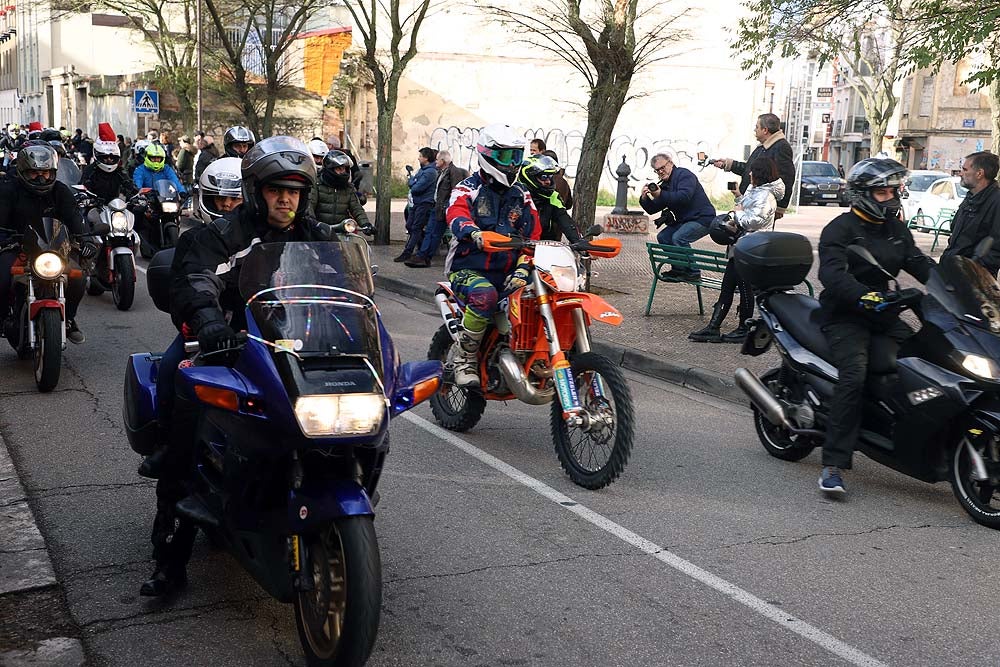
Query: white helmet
x=152, y=136
x=222, y=178
x=140, y=146
x=500, y=152
x=107, y=155
x=319, y=149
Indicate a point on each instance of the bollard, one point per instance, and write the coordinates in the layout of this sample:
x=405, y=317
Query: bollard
x=621, y=198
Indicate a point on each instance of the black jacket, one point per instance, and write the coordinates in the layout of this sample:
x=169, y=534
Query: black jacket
x=781, y=152
x=206, y=268
x=333, y=204
x=208, y=155
x=977, y=217
x=108, y=185
x=447, y=180
x=556, y=222
x=846, y=278
x=20, y=207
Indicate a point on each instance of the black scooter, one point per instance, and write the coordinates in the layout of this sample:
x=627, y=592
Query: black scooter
x=932, y=407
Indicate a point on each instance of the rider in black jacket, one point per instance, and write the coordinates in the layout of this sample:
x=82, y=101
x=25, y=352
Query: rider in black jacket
x=106, y=177
x=538, y=175
x=855, y=303
x=32, y=194
x=277, y=175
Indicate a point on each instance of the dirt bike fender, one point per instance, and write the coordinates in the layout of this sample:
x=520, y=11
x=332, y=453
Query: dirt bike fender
x=598, y=309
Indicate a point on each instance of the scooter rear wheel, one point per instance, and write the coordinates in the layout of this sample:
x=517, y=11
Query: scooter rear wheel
x=778, y=442
x=979, y=498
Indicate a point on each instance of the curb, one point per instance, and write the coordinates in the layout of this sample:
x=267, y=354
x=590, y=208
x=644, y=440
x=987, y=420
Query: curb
x=690, y=377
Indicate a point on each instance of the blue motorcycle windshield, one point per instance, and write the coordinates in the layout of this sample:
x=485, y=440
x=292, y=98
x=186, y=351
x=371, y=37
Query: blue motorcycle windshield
x=968, y=291
x=313, y=299
x=165, y=190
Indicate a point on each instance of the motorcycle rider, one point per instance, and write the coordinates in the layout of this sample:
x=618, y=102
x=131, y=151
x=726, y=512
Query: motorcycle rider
x=137, y=156
x=106, y=177
x=334, y=198
x=538, y=174
x=237, y=141
x=855, y=305
x=319, y=150
x=277, y=174
x=32, y=194
x=220, y=189
x=155, y=168
x=489, y=200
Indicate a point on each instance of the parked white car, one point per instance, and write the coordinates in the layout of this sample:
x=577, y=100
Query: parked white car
x=917, y=185
x=944, y=193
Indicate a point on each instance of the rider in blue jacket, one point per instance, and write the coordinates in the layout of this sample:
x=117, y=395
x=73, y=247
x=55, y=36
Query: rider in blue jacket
x=155, y=168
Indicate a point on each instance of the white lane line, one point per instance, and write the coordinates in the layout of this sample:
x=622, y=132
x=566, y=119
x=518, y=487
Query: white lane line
x=734, y=592
x=141, y=268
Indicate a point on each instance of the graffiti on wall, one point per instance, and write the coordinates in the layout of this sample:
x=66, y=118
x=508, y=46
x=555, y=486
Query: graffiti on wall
x=636, y=150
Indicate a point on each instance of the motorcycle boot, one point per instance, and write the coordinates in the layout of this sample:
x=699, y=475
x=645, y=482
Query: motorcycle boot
x=173, y=540
x=711, y=333
x=737, y=335
x=467, y=359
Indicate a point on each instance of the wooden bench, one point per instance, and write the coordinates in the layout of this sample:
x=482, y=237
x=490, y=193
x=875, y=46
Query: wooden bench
x=925, y=223
x=692, y=259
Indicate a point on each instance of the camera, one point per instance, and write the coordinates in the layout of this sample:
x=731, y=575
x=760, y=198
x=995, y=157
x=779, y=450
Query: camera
x=652, y=187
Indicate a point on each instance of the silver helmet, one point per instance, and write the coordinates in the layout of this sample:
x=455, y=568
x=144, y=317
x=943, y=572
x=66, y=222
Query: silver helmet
x=280, y=161
x=222, y=178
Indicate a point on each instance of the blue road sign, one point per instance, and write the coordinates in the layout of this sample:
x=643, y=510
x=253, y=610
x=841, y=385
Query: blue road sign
x=146, y=101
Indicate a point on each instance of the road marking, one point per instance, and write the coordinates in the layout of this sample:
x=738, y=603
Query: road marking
x=734, y=592
x=139, y=267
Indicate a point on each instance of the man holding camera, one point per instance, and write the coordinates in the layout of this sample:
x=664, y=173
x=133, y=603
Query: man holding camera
x=773, y=144
x=687, y=212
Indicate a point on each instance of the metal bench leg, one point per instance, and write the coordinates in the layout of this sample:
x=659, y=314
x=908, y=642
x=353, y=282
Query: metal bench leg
x=934, y=244
x=652, y=293
x=701, y=306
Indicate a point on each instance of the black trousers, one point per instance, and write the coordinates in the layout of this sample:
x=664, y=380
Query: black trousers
x=173, y=535
x=731, y=282
x=850, y=346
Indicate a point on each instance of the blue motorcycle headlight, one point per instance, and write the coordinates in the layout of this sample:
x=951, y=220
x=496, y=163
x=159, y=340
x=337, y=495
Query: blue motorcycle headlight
x=340, y=414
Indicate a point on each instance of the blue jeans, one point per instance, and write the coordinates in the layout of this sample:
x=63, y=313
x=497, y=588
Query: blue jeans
x=432, y=237
x=682, y=235
x=416, y=225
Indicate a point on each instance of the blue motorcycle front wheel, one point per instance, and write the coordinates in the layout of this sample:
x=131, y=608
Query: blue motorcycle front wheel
x=338, y=619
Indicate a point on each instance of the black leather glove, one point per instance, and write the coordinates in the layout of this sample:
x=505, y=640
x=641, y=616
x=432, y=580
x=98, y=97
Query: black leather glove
x=215, y=336
x=88, y=250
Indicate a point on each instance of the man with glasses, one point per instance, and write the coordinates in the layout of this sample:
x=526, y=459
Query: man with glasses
x=687, y=210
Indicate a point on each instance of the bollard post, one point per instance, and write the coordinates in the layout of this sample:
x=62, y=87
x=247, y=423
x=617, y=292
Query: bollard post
x=621, y=198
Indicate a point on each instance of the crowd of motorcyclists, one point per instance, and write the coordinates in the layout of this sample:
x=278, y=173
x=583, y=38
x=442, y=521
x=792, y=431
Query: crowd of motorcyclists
x=281, y=189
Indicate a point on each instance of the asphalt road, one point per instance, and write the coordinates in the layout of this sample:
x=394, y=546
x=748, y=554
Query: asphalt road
x=705, y=552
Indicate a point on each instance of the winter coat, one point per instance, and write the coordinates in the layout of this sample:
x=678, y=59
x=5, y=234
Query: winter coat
x=977, y=217
x=555, y=221
x=683, y=195
x=108, y=185
x=778, y=149
x=846, y=278
x=185, y=164
x=207, y=156
x=478, y=206
x=20, y=207
x=422, y=184
x=758, y=206
x=333, y=204
x=145, y=178
x=448, y=178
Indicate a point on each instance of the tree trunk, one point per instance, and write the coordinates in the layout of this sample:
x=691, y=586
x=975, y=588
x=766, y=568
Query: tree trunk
x=383, y=170
x=877, y=128
x=605, y=104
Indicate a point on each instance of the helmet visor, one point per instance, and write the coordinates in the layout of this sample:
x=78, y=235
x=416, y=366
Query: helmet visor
x=107, y=158
x=504, y=156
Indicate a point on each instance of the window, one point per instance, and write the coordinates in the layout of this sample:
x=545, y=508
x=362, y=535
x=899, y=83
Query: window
x=926, y=96
x=907, y=101
x=941, y=188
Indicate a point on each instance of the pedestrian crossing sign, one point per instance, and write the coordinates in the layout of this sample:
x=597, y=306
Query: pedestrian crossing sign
x=146, y=101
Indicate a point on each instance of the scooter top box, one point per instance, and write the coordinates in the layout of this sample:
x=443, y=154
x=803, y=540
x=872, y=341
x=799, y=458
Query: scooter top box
x=773, y=260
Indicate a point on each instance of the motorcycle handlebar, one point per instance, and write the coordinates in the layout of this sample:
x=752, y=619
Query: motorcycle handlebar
x=193, y=346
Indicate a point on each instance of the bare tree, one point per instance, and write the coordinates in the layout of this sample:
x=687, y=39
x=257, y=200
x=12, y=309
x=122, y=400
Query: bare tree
x=870, y=41
x=608, y=48
x=389, y=35
x=168, y=26
x=254, y=37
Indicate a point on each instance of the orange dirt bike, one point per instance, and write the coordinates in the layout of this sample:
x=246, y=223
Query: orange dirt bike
x=537, y=350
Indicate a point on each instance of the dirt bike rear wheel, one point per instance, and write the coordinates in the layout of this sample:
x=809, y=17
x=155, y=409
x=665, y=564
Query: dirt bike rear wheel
x=455, y=408
x=595, y=456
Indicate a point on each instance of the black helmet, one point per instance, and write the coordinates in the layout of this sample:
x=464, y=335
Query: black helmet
x=720, y=232
x=281, y=161
x=539, y=174
x=332, y=160
x=238, y=135
x=58, y=146
x=37, y=155
x=875, y=173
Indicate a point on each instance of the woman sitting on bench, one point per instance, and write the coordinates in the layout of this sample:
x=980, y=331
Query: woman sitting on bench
x=754, y=211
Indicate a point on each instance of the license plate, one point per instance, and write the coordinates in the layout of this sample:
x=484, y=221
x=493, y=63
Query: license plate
x=830, y=196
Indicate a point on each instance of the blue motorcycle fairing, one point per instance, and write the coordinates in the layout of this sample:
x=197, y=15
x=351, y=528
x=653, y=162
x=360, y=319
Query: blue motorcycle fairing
x=320, y=501
x=411, y=374
x=256, y=361
x=218, y=377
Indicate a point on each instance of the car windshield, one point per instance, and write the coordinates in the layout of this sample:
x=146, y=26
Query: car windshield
x=967, y=291
x=921, y=183
x=313, y=299
x=819, y=169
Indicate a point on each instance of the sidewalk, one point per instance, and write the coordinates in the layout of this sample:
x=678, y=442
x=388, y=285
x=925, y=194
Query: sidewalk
x=656, y=345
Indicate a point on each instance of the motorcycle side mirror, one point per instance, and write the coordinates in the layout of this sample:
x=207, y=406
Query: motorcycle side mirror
x=417, y=381
x=595, y=230
x=102, y=228
x=983, y=248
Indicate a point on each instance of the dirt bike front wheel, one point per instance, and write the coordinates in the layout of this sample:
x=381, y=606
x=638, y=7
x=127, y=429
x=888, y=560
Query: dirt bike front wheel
x=595, y=452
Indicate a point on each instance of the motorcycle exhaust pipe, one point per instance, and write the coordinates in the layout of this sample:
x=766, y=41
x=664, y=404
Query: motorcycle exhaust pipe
x=450, y=318
x=759, y=395
x=518, y=383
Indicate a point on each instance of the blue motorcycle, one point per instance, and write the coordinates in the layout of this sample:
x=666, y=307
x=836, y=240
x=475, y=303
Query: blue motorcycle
x=291, y=433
